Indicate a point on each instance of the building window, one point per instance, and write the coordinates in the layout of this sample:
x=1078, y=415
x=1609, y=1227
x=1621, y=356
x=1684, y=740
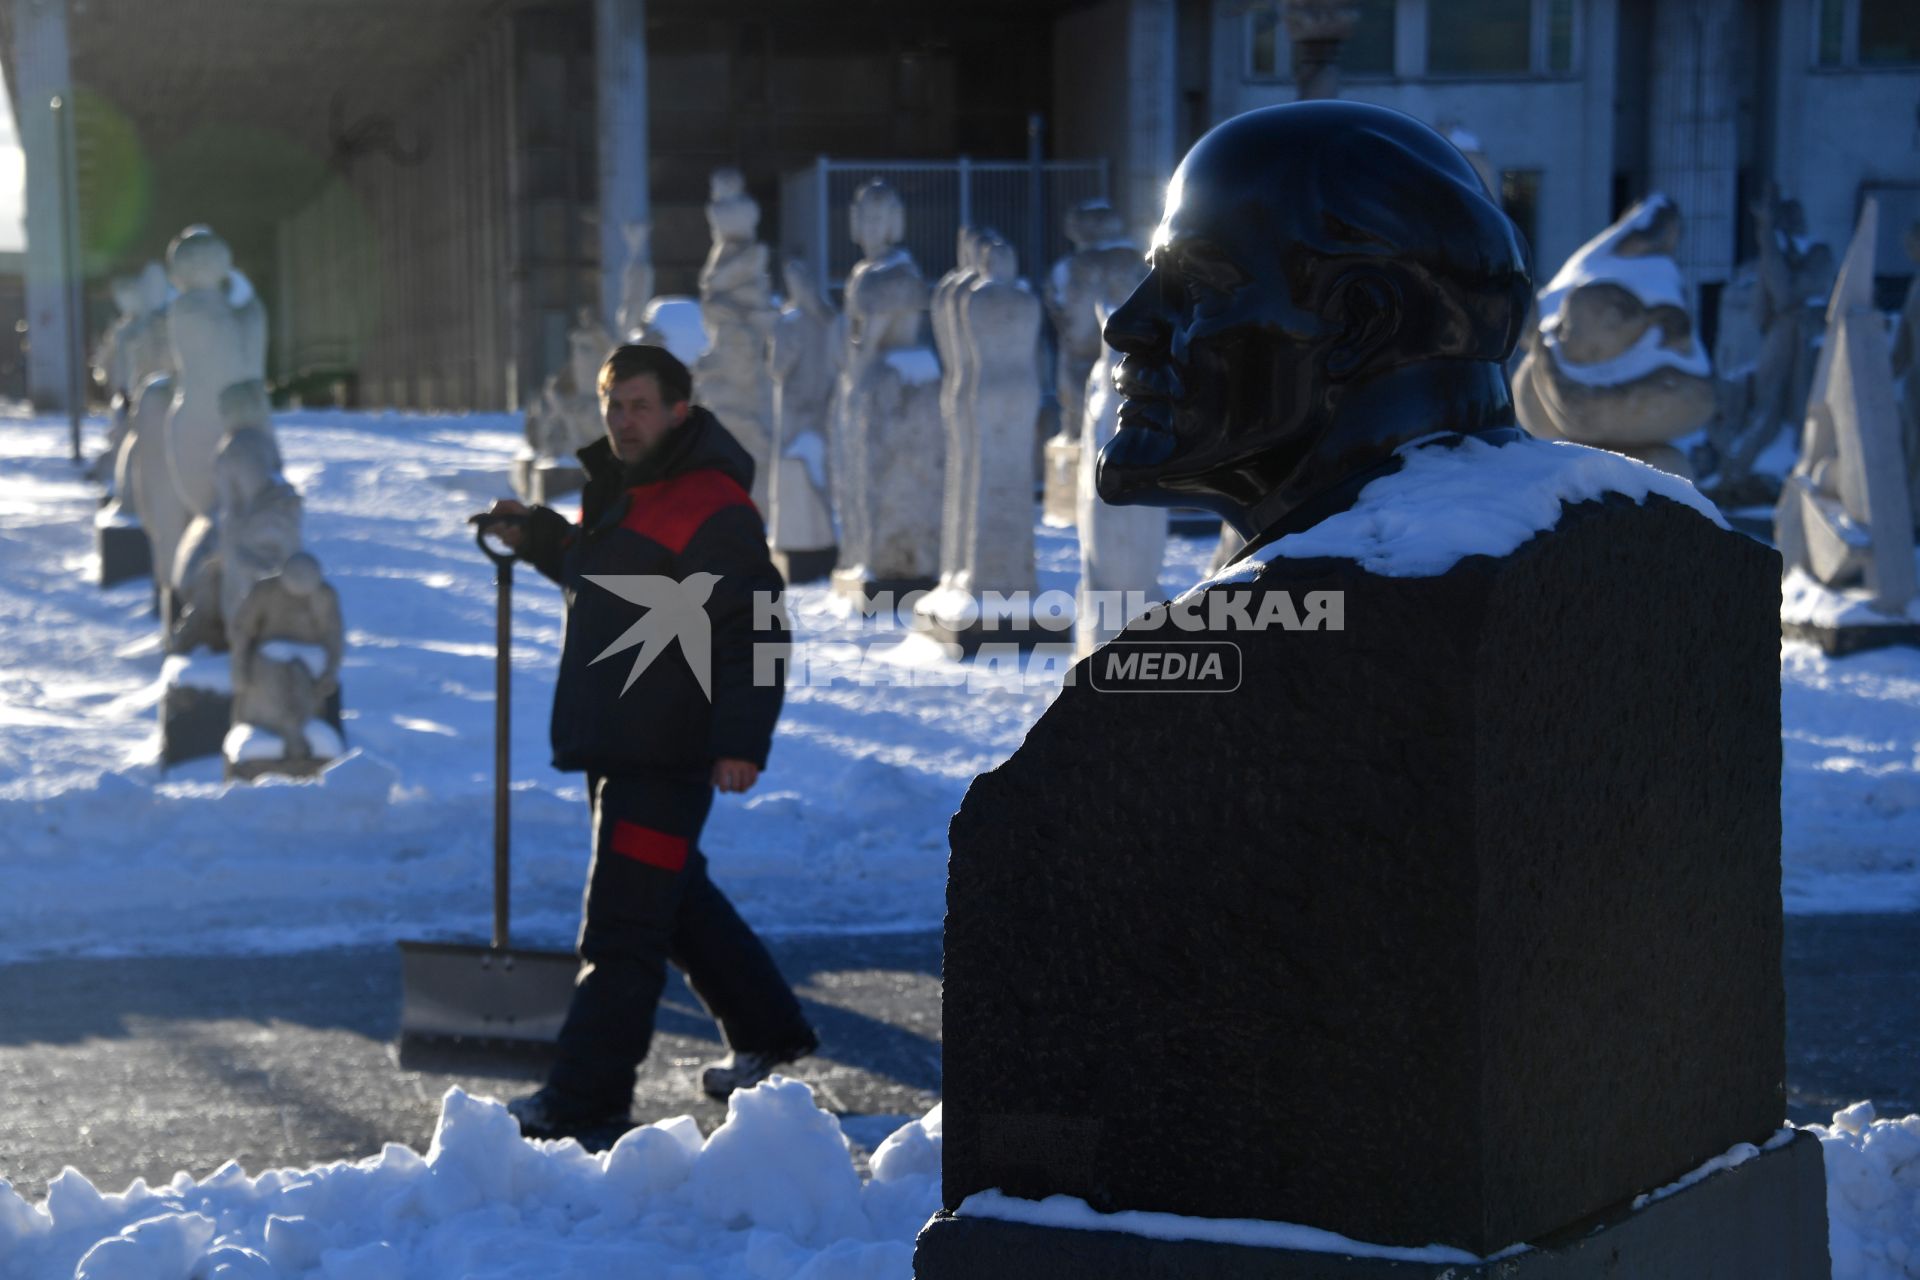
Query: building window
x=1889, y=33
x=1866, y=33
x=1368, y=53
x=1480, y=37
x=1501, y=37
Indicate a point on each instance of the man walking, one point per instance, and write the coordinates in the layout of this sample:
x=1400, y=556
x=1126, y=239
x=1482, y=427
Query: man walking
x=656, y=701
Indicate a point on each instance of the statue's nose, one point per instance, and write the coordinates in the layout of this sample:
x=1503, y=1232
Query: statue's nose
x=1139, y=326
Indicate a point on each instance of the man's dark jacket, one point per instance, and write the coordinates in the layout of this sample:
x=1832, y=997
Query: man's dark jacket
x=681, y=510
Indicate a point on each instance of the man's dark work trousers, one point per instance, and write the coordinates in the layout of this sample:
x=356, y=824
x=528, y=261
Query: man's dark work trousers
x=649, y=901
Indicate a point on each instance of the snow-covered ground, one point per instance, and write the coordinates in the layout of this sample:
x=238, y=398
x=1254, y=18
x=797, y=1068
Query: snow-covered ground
x=103, y=853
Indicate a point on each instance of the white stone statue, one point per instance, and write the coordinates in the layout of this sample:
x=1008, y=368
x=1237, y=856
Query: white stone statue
x=277, y=689
x=109, y=367
x=254, y=528
x=219, y=334
x=803, y=360
x=1615, y=360
x=887, y=413
x=565, y=417
x=141, y=352
x=736, y=307
x=999, y=319
x=1120, y=547
x=1103, y=269
x=957, y=380
x=1796, y=277
x=1845, y=514
x=636, y=280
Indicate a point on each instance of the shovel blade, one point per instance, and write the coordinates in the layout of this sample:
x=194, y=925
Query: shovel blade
x=452, y=991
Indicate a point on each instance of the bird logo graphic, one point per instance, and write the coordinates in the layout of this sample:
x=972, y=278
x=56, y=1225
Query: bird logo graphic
x=675, y=610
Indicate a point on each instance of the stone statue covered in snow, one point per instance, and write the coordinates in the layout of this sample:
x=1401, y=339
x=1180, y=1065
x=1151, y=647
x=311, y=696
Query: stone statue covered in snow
x=1906, y=372
x=1102, y=269
x=253, y=529
x=140, y=352
x=887, y=410
x=803, y=360
x=636, y=280
x=1796, y=276
x=1845, y=518
x=957, y=379
x=287, y=645
x=1615, y=360
x=565, y=417
x=736, y=307
x=218, y=330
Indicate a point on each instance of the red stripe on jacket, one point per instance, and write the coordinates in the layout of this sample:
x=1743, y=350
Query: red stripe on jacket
x=644, y=844
x=671, y=511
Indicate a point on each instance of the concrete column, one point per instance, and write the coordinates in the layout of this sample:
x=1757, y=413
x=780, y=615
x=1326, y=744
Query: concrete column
x=620, y=68
x=1695, y=146
x=41, y=73
x=1152, y=111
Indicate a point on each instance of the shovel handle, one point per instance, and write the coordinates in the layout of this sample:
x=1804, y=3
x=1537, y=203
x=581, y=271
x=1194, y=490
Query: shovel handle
x=502, y=718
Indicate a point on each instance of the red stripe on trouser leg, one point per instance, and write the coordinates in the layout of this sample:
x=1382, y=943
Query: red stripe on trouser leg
x=644, y=844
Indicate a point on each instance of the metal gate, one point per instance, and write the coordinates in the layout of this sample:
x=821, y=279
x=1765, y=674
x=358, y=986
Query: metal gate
x=1024, y=201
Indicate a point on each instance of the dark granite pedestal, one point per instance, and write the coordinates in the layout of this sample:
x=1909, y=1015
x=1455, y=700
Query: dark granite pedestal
x=125, y=553
x=1456, y=923
x=1838, y=641
x=806, y=566
x=866, y=591
x=1762, y=1220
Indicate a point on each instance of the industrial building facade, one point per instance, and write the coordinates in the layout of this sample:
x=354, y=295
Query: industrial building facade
x=428, y=199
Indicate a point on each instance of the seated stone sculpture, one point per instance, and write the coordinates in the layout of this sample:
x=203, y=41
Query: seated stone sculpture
x=276, y=689
x=1844, y=519
x=1353, y=922
x=565, y=416
x=1615, y=361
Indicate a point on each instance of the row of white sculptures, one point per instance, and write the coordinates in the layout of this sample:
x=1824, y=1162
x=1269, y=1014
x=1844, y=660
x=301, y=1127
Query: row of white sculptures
x=911, y=416
x=194, y=463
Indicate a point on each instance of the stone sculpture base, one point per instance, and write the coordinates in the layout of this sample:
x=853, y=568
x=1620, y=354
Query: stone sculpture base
x=1842, y=620
x=253, y=770
x=806, y=566
x=935, y=616
x=856, y=585
x=1762, y=1220
x=541, y=480
x=1060, y=492
x=1379, y=941
x=125, y=553
x=1839, y=641
x=194, y=721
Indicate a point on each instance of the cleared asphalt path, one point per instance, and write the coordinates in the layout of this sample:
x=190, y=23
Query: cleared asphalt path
x=140, y=1067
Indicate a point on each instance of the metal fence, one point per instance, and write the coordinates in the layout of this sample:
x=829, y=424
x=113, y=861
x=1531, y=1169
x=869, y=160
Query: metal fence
x=1026, y=202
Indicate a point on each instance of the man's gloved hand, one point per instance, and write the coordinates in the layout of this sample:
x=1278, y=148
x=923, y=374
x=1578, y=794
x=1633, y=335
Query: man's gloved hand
x=510, y=532
x=735, y=775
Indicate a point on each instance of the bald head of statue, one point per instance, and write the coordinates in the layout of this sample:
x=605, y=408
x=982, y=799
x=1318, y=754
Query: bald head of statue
x=1330, y=280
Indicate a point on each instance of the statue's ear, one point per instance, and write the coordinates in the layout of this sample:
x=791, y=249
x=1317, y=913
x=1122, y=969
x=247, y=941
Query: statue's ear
x=1364, y=312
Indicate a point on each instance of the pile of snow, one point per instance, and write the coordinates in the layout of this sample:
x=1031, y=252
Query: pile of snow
x=772, y=1193
x=1459, y=497
x=1873, y=1194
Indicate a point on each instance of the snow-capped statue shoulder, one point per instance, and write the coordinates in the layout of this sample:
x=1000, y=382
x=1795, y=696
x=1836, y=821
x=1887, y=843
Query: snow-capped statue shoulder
x=1455, y=497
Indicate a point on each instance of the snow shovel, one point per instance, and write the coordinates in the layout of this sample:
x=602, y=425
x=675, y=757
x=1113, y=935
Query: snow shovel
x=498, y=994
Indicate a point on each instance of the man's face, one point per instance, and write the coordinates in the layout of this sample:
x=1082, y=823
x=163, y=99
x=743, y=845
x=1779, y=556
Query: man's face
x=638, y=417
x=1218, y=364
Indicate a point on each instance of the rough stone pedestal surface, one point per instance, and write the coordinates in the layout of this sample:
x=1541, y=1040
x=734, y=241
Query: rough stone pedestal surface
x=1455, y=925
x=194, y=720
x=1762, y=1220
